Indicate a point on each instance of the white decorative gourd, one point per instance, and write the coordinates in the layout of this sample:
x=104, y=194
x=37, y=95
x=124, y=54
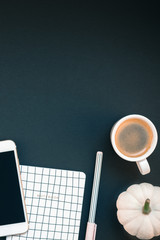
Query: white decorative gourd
x=139, y=210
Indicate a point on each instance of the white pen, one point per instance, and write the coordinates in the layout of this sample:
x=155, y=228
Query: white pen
x=91, y=226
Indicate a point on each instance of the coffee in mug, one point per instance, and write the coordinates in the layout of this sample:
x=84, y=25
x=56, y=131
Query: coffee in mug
x=134, y=138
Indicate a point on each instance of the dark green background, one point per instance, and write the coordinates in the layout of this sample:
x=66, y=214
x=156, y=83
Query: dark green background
x=68, y=72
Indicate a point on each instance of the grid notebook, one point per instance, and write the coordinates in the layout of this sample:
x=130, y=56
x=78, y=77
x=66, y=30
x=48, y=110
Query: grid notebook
x=54, y=203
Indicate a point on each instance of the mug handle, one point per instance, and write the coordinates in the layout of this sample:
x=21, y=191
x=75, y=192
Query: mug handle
x=143, y=166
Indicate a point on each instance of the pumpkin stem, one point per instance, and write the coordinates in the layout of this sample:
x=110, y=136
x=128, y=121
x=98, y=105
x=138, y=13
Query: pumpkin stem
x=146, y=208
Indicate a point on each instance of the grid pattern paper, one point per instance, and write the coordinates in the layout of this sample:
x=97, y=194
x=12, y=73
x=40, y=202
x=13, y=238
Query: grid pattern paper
x=54, y=203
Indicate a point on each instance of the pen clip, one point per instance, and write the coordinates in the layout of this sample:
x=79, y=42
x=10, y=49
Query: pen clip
x=91, y=231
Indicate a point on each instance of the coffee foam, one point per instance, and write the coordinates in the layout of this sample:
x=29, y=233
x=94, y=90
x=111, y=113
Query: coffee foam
x=133, y=137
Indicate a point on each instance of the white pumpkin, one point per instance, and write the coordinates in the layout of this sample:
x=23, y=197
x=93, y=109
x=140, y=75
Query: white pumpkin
x=139, y=210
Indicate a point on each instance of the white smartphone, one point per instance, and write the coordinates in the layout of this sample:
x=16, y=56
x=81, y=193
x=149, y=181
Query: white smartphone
x=13, y=216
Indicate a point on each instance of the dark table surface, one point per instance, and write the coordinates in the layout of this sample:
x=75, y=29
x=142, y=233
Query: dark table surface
x=68, y=72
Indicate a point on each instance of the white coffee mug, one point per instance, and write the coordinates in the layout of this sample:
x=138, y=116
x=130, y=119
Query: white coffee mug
x=141, y=160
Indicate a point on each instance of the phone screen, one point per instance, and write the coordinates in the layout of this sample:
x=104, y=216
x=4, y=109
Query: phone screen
x=11, y=206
